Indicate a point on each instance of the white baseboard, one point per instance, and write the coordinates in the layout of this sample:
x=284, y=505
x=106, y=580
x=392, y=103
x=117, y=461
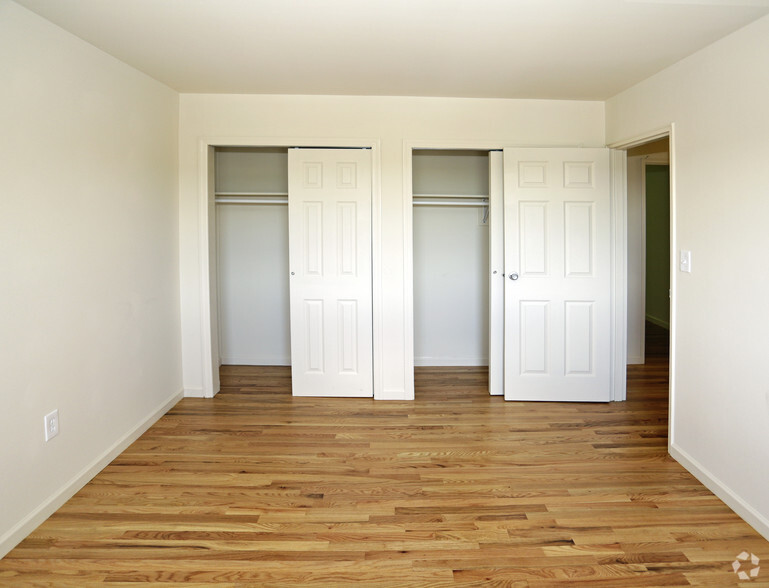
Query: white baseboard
x=751, y=516
x=635, y=359
x=194, y=393
x=393, y=394
x=450, y=361
x=33, y=520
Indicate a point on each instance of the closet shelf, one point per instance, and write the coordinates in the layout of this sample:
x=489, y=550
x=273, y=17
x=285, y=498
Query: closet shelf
x=251, y=198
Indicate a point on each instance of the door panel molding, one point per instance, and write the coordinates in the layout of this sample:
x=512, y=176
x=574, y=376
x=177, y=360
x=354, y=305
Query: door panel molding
x=329, y=225
x=558, y=258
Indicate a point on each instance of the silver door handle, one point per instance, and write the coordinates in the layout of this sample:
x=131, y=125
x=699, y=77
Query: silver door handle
x=513, y=276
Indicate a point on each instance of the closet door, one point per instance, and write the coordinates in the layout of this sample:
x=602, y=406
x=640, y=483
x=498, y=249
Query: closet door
x=557, y=289
x=329, y=215
x=496, y=276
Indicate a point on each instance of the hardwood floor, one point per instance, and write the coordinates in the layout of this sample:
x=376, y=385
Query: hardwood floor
x=259, y=488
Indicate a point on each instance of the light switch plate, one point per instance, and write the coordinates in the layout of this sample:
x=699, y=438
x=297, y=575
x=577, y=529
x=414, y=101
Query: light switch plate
x=685, y=261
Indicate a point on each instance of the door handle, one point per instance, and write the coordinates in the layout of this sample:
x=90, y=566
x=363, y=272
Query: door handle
x=513, y=276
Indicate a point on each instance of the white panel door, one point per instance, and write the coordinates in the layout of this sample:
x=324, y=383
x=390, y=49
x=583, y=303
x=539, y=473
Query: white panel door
x=496, y=275
x=558, y=269
x=329, y=216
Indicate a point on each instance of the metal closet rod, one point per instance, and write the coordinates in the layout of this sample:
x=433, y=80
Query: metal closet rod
x=450, y=201
x=447, y=203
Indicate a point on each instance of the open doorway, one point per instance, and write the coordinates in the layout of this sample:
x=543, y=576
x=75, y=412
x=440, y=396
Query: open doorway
x=649, y=271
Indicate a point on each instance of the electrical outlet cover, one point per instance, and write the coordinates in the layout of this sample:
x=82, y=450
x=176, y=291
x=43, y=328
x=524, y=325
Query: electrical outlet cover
x=51, y=425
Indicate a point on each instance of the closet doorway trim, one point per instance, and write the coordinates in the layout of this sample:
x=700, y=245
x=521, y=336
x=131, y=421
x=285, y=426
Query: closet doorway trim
x=618, y=248
x=408, y=238
x=207, y=234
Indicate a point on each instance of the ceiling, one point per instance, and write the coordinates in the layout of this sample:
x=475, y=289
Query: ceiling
x=551, y=49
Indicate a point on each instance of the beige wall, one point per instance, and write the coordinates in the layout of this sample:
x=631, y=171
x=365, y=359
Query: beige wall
x=391, y=121
x=89, y=262
x=717, y=100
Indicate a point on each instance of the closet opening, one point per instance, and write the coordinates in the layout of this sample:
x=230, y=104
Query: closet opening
x=450, y=196
x=251, y=196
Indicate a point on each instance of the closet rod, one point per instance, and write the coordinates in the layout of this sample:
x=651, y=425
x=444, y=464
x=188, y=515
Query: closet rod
x=252, y=194
x=450, y=202
x=451, y=196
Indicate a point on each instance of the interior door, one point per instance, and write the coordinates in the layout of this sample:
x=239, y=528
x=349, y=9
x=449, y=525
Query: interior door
x=496, y=275
x=329, y=216
x=558, y=268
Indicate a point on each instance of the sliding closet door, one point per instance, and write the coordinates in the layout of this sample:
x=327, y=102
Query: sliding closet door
x=496, y=275
x=557, y=289
x=329, y=215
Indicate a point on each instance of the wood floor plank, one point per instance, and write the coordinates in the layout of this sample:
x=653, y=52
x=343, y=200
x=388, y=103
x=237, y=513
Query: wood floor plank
x=257, y=488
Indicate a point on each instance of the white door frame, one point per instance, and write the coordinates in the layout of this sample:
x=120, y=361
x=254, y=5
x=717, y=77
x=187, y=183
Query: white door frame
x=207, y=235
x=618, y=172
x=669, y=132
x=408, y=240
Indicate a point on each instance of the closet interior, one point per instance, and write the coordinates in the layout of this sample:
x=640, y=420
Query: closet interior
x=251, y=186
x=451, y=256
x=450, y=192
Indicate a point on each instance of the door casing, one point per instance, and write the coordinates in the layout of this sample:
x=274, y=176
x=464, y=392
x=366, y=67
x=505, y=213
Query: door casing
x=618, y=345
x=648, y=137
x=207, y=238
x=329, y=226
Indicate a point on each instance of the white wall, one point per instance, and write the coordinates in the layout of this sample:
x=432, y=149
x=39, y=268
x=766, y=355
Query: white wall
x=717, y=100
x=251, y=170
x=390, y=120
x=450, y=172
x=451, y=261
x=451, y=287
x=253, y=284
x=89, y=319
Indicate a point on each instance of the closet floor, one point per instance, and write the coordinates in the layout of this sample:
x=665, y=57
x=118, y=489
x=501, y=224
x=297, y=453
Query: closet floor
x=258, y=488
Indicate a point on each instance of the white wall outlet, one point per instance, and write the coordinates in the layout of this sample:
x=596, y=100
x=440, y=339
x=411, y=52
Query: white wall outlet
x=51, y=425
x=685, y=261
